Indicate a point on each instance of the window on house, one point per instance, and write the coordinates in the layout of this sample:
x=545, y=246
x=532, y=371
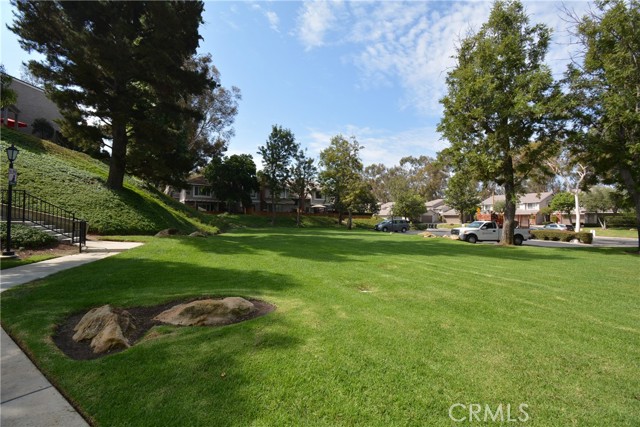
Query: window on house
x=201, y=191
x=318, y=195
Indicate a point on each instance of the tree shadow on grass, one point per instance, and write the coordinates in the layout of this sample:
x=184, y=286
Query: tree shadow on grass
x=132, y=281
x=220, y=382
x=344, y=246
x=178, y=376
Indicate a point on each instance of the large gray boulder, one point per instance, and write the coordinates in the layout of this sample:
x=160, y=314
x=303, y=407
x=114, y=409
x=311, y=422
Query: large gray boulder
x=107, y=327
x=207, y=312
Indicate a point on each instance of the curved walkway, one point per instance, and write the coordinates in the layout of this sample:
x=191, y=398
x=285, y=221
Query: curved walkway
x=27, y=397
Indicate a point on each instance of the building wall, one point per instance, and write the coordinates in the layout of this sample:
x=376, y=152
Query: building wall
x=33, y=104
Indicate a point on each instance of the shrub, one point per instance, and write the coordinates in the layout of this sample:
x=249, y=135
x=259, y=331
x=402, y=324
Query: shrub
x=365, y=223
x=26, y=237
x=626, y=220
x=563, y=236
x=43, y=128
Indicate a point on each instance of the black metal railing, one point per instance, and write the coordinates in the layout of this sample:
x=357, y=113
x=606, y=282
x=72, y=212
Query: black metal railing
x=28, y=208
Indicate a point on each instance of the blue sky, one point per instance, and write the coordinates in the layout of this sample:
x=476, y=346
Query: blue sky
x=373, y=70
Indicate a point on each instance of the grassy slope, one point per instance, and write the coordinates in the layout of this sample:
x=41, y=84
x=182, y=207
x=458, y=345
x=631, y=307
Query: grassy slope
x=75, y=182
x=371, y=329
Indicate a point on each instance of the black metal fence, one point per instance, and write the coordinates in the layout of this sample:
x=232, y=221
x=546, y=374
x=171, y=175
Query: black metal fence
x=28, y=208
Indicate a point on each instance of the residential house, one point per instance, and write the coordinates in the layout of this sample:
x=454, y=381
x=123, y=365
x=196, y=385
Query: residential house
x=199, y=196
x=385, y=210
x=432, y=213
x=450, y=216
x=528, y=207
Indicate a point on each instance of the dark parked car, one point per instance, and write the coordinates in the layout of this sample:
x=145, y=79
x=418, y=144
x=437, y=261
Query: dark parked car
x=392, y=225
x=560, y=227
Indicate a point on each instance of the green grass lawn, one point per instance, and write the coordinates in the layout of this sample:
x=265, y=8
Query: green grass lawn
x=17, y=262
x=371, y=329
x=614, y=232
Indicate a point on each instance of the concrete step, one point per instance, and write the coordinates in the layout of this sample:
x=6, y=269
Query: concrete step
x=58, y=233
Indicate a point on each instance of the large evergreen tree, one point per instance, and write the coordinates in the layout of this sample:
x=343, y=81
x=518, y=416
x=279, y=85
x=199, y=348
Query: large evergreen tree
x=303, y=175
x=605, y=95
x=117, y=70
x=277, y=156
x=232, y=179
x=500, y=113
x=462, y=195
x=342, y=177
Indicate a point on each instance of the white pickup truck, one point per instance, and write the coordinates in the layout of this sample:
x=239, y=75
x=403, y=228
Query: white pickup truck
x=487, y=231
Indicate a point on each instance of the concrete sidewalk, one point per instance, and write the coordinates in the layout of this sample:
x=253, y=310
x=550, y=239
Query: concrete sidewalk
x=27, y=397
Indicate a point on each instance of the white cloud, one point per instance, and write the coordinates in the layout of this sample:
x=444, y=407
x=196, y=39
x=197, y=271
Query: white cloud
x=412, y=44
x=315, y=19
x=273, y=19
x=380, y=146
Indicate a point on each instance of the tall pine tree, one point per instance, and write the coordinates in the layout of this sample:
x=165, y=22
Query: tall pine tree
x=277, y=155
x=117, y=71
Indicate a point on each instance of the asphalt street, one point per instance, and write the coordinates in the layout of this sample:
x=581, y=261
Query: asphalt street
x=603, y=242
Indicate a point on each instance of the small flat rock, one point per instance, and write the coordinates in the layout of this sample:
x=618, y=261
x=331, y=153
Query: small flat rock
x=206, y=312
x=167, y=232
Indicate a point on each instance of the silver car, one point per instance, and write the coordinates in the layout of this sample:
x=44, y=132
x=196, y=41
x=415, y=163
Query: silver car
x=560, y=227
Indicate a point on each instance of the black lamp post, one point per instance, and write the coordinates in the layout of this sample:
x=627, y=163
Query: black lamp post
x=12, y=155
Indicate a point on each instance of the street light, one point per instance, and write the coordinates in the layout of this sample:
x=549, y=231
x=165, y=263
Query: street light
x=12, y=155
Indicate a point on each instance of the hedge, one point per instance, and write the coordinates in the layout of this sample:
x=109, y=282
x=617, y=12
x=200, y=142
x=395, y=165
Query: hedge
x=26, y=237
x=625, y=220
x=563, y=236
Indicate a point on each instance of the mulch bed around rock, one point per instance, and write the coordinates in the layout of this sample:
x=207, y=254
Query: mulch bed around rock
x=144, y=321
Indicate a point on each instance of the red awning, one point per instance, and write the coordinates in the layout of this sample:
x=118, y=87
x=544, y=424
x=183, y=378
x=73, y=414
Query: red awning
x=12, y=123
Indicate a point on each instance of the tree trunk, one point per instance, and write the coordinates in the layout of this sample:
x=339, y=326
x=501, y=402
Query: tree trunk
x=300, y=202
x=273, y=208
x=632, y=189
x=577, y=208
x=509, y=204
x=117, y=165
x=349, y=221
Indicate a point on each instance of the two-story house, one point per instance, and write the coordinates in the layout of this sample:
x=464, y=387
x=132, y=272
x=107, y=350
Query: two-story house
x=199, y=196
x=528, y=207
